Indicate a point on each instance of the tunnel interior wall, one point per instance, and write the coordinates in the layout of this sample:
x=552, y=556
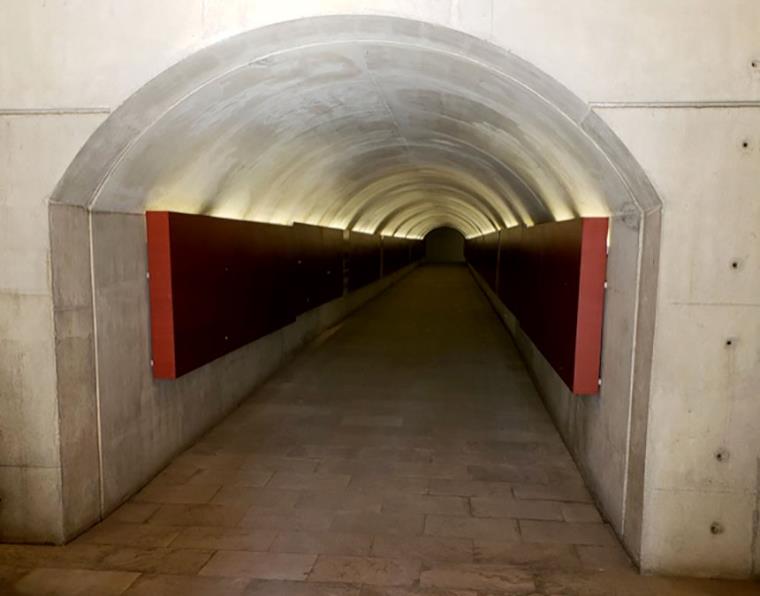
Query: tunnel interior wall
x=594, y=427
x=444, y=245
x=218, y=284
x=551, y=277
x=145, y=422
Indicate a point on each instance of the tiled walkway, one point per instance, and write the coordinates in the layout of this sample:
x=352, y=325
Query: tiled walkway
x=406, y=452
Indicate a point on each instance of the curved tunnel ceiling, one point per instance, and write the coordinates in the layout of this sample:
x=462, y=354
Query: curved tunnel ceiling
x=367, y=123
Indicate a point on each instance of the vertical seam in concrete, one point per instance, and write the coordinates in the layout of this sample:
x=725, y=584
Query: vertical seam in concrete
x=632, y=380
x=754, y=555
x=56, y=388
x=97, y=367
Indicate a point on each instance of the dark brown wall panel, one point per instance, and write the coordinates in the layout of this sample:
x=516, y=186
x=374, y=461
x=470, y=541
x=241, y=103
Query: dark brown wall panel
x=318, y=266
x=227, y=283
x=551, y=277
x=364, y=259
x=218, y=284
x=397, y=253
x=482, y=252
x=418, y=250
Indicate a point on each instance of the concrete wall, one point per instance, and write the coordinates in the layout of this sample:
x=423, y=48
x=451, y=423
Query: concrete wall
x=675, y=80
x=444, y=245
x=35, y=149
x=704, y=421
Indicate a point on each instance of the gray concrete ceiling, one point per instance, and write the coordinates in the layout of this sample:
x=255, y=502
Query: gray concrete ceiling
x=368, y=123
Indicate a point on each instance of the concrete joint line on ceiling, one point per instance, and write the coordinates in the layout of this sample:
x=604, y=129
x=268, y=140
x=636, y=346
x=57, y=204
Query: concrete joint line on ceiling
x=53, y=111
x=706, y=104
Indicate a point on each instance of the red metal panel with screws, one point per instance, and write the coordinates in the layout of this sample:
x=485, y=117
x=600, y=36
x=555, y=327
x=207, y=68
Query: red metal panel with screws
x=161, y=297
x=218, y=284
x=215, y=285
x=588, y=339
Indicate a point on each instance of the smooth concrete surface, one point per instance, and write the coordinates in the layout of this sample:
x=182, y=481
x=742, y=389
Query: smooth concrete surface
x=76, y=371
x=444, y=245
x=703, y=452
x=684, y=116
x=416, y=127
x=405, y=452
x=584, y=44
x=34, y=152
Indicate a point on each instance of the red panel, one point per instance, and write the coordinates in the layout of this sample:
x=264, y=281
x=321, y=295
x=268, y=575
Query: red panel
x=551, y=277
x=588, y=341
x=216, y=285
x=161, y=306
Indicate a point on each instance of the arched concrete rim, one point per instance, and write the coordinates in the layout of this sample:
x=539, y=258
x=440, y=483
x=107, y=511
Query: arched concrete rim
x=638, y=210
x=102, y=153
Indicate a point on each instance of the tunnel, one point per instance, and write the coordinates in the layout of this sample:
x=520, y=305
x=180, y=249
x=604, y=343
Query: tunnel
x=373, y=126
x=357, y=297
x=444, y=245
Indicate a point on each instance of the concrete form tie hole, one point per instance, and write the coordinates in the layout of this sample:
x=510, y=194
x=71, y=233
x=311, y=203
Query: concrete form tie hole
x=716, y=528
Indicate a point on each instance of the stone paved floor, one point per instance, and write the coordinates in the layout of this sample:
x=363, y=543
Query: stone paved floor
x=405, y=452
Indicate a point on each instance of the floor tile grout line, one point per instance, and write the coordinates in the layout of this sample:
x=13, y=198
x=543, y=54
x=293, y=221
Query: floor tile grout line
x=132, y=583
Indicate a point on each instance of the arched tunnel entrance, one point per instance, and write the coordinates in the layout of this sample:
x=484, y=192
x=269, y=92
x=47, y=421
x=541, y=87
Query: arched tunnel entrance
x=370, y=125
x=444, y=245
